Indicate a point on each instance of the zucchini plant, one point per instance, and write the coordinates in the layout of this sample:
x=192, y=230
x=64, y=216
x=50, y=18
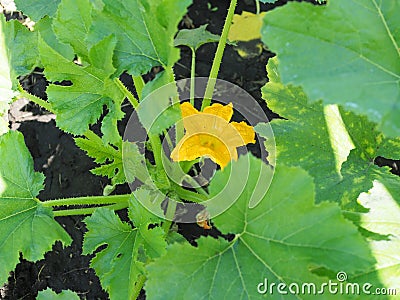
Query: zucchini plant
x=314, y=215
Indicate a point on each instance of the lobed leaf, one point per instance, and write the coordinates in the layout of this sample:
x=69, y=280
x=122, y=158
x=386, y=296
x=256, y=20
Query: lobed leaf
x=127, y=249
x=358, y=64
x=79, y=105
x=280, y=239
x=148, y=35
x=338, y=150
x=25, y=225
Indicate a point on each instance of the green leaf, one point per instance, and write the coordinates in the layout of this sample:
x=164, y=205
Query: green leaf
x=48, y=294
x=21, y=48
x=127, y=249
x=104, y=154
x=134, y=163
x=6, y=92
x=25, y=225
x=81, y=104
x=383, y=217
x=319, y=139
x=147, y=38
x=71, y=24
x=282, y=239
x=45, y=27
x=37, y=9
x=359, y=65
x=159, y=108
x=194, y=38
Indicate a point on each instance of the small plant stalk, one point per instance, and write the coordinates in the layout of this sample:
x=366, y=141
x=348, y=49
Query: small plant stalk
x=127, y=93
x=87, y=211
x=89, y=200
x=218, y=56
x=192, y=76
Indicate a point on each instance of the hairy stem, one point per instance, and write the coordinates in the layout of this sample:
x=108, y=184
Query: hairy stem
x=139, y=85
x=218, y=56
x=35, y=99
x=127, y=93
x=89, y=200
x=88, y=210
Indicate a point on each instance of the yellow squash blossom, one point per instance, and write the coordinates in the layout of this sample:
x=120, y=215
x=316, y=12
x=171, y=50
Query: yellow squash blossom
x=210, y=134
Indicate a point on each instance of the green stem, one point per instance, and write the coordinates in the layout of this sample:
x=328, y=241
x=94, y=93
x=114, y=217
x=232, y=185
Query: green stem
x=35, y=99
x=189, y=195
x=157, y=148
x=218, y=56
x=192, y=76
x=138, y=286
x=89, y=200
x=257, y=7
x=88, y=210
x=127, y=93
x=139, y=85
x=169, y=215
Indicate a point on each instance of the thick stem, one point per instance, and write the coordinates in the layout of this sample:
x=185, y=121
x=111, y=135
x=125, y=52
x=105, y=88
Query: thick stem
x=89, y=200
x=127, y=93
x=192, y=76
x=218, y=56
x=88, y=210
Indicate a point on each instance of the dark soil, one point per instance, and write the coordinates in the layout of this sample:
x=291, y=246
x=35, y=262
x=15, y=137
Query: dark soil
x=67, y=168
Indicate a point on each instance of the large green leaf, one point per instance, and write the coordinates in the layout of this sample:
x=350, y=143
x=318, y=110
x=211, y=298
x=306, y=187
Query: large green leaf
x=81, y=104
x=36, y=9
x=145, y=31
x=319, y=139
x=282, y=239
x=128, y=249
x=25, y=225
x=346, y=52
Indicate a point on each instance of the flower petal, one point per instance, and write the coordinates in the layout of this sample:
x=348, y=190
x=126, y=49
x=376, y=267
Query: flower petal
x=223, y=111
x=246, y=131
x=202, y=144
x=187, y=110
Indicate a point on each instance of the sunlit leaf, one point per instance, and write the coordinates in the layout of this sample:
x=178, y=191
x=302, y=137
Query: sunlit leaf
x=345, y=52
